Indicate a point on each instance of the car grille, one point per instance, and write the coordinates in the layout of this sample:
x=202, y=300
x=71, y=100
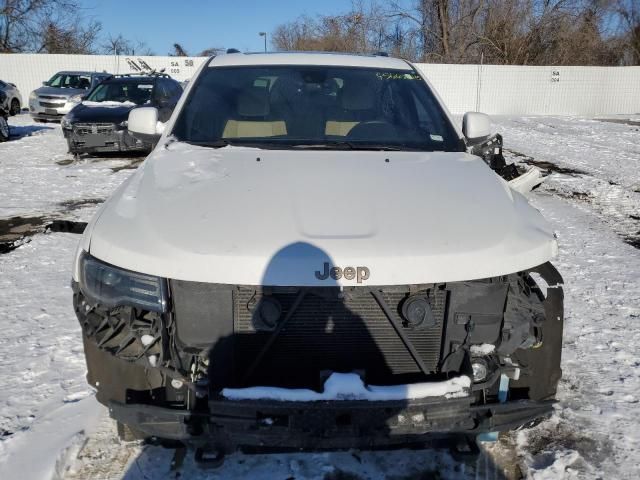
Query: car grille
x=93, y=128
x=51, y=105
x=333, y=331
x=50, y=101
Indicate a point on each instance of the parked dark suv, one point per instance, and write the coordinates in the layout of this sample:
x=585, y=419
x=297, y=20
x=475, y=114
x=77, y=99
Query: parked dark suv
x=99, y=122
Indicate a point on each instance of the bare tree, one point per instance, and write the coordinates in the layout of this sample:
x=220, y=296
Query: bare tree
x=178, y=51
x=71, y=38
x=210, y=52
x=26, y=24
x=514, y=32
x=628, y=12
x=120, y=45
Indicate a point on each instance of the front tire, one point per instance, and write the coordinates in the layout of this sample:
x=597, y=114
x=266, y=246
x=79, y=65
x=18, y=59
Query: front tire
x=4, y=129
x=15, y=107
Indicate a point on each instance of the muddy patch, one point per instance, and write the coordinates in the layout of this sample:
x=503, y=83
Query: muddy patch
x=574, y=195
x=622, y=121
x=551, y=438
x=71, y=205
x=633, y=240
x=16, y=231
x=131, y=162
x=67, y=226
x=134, y=163
x=549, y=167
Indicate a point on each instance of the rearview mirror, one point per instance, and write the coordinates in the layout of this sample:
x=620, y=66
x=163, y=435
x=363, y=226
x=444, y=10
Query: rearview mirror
x=143, y=124
x=476, y=126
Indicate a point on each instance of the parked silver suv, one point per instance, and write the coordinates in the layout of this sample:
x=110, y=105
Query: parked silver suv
x=61, y=93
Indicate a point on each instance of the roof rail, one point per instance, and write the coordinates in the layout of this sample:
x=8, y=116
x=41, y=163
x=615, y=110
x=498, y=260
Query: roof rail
x=151, y=73
x=316, y=52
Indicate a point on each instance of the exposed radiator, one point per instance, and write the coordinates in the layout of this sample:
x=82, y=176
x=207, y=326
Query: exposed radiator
x=334, y=331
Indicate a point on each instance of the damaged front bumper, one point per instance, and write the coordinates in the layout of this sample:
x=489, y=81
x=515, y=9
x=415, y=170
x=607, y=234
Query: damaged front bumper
x=102, y=137
x=164, y=370
x=328, y=424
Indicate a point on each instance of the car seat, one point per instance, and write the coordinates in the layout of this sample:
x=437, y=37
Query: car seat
x=356, y=104
x=361, y=115
x=252, y=118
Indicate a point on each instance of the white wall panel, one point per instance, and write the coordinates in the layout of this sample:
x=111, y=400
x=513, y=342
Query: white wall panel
x=526, y=90
x=28, y=71
x=493, y=89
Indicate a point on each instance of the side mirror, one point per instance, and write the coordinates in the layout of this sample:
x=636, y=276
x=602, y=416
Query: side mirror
x=45, y=83
x=143, y=124
x=476, y=126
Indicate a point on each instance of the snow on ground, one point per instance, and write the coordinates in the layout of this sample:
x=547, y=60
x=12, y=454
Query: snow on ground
x=595, y=428
x=598, y=161
x=52, y=427
x=38, y=176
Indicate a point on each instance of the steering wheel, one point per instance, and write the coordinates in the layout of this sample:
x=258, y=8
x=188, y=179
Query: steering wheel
x=372, y=130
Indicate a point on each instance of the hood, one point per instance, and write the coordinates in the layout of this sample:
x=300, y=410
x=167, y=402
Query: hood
x=248, y=216
x=110, y=113
x=59, y=92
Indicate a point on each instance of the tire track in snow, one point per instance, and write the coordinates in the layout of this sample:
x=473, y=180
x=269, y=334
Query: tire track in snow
x=616, y=205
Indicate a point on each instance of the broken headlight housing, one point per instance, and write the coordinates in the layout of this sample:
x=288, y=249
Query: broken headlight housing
x=112, y=286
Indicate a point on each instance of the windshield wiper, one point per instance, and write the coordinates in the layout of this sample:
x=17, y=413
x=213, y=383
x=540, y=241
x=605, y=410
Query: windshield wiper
x=225, y=143
x=301, y=146
x=348, y=145
x=214, y=144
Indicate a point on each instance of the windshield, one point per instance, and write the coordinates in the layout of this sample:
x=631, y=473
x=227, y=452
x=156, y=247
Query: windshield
x=315, y=107
x=135, y=92
x=67, y=80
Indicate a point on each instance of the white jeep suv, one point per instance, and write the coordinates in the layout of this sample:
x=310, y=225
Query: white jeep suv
x=310, y=258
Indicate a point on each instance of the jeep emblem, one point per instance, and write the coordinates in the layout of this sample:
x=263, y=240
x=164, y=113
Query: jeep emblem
x=349, y=273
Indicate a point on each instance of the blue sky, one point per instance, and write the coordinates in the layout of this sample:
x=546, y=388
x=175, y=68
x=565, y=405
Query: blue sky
x=200, y=24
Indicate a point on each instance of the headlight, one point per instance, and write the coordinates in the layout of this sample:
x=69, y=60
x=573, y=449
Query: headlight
x=480, y=369
x=65, y=123
x=75, y=99
x=124, y=124
x=112, y=286
x=33, y=96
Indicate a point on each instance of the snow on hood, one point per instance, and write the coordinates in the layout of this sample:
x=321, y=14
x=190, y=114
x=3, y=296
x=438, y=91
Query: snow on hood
x=275, y=217
x=87, y=103
x=349, y=386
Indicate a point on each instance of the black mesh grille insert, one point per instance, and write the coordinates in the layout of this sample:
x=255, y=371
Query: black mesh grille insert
x=334, y=331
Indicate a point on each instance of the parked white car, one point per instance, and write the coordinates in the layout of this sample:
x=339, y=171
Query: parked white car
x=13, y=100
x=310, y=258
